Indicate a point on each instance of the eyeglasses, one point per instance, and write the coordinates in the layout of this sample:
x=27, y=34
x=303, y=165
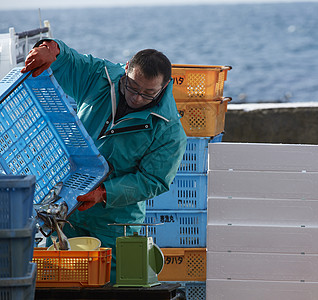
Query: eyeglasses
x=145, y=96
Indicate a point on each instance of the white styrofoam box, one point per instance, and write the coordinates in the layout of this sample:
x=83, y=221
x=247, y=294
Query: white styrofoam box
x=265, y=157
x=262, y=266
x=253, y=184
x=260, y=290
x=262, y=239
x=276, y=212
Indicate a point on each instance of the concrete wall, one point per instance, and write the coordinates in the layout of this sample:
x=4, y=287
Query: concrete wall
x=272, y=123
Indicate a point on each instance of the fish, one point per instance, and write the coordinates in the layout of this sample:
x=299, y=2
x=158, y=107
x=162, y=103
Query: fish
x=63, y=241
x=59, y=210
x=54, y=217
x=51, y=197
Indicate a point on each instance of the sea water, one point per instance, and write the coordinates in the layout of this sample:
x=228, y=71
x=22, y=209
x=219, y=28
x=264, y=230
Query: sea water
x=272, y=48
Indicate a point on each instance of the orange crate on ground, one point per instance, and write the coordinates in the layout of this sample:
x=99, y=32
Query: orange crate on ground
x=183, y=264
x=195, y=82
x=72, y=268
x=203, y=118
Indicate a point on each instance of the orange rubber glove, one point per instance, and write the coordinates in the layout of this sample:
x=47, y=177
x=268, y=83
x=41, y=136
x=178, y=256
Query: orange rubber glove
x=40, y=58
x=90, y=199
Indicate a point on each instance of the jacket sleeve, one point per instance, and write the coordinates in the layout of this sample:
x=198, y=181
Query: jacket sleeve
x=156, y=171
x=77, y=73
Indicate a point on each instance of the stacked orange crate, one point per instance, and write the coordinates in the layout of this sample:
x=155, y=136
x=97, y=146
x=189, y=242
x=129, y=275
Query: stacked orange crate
x=198, y=91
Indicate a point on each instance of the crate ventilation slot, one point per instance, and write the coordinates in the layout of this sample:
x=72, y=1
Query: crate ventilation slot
x=196, y=85
x=79, y=181
x=50, y=100
x=70, y=134
x=11, y=77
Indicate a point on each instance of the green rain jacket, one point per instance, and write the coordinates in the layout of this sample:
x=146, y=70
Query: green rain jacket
x=144, y=148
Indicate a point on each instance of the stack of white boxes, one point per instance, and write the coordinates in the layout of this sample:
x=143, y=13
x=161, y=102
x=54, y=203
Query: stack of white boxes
x=262, y=232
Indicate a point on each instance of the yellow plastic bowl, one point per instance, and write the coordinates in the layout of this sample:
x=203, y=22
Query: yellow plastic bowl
x=85, y=243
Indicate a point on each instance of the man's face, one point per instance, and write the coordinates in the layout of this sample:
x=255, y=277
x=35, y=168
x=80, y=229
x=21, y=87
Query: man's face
x=139, y=90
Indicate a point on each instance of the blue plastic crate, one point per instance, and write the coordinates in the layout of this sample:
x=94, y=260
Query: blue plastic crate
x=190, y=290
x=40, y=134
x=187, y=192
x=184, y=229
x=19, y=287
x=195, y=290
x=195, y=157
x=16, y=200
x=16, y=250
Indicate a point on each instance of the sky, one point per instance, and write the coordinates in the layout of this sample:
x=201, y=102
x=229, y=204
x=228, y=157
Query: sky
x=32, y=4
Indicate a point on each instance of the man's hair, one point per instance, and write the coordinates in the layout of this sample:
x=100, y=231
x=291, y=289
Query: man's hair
x=152, y=63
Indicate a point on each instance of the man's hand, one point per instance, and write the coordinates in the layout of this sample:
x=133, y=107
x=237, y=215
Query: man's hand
x=40, y=58
x=90, y=199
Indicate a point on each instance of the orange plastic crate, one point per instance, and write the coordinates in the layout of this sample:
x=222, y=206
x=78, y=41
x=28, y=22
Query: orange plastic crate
x=195, y=82
x=72, y=268
x=203, y=118
x=183, y=264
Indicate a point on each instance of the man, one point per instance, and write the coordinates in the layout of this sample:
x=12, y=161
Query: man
x=130, y=113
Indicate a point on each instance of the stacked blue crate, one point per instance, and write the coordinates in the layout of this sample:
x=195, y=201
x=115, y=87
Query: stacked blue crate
x=183, y=212
x=183, y=209
x=17, y=233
